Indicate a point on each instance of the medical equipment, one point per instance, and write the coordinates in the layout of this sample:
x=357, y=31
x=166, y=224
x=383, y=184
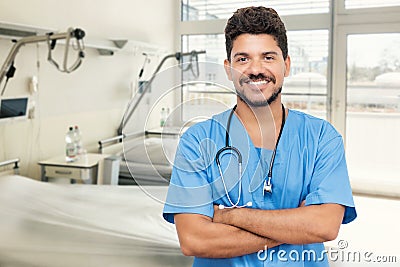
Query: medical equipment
x=14, y=107
x=267, y=187
x=146, y=60
x=8, y=69
x=194, y=57
x=137, y=99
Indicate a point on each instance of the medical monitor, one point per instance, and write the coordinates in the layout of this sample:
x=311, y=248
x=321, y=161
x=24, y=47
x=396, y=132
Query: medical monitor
x=16, y=107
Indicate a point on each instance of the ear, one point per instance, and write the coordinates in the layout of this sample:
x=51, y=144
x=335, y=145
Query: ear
x=228, y=69
x=287, y=66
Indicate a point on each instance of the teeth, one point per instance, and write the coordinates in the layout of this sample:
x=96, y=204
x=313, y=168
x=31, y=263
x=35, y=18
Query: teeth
x=258, y=83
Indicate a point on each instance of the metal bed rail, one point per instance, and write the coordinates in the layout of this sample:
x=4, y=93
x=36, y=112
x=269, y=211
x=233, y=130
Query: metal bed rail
x=9, y=162
x=118, y=139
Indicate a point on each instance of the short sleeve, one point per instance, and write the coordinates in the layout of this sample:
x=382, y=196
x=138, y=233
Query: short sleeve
x=330, y=180
x=189, y=190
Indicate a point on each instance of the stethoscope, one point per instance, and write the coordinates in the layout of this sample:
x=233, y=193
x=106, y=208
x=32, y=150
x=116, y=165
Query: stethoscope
x=267, y=187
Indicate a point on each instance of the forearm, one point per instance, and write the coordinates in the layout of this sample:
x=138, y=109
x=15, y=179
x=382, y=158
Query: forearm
x=207, y=239
x=303, y=225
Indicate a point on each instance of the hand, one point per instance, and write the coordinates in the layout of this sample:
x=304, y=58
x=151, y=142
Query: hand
x=220, y=214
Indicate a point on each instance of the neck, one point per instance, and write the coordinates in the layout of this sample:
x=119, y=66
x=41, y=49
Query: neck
x=271, y=114
x=261, y=123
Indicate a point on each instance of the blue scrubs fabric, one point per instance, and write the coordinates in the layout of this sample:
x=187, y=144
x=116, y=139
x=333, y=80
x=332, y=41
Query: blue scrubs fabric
x=309, y=165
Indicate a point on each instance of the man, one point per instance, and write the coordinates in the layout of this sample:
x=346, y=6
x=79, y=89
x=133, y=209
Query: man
x=292, y=190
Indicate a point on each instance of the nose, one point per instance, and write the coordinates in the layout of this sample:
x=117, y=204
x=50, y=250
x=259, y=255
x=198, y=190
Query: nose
x=255, y=67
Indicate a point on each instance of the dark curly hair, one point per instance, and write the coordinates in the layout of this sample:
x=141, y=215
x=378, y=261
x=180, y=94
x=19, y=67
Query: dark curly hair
x=255, y=20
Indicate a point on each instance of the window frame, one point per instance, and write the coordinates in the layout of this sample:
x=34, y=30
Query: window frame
x=314, y=21
x=341, y=7
x=353, y=21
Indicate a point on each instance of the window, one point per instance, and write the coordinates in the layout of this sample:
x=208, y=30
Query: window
x=373, y=108
x=211, y=92
x=306, y=87
x=222, y=9
x=351, y=4
x=373, y=73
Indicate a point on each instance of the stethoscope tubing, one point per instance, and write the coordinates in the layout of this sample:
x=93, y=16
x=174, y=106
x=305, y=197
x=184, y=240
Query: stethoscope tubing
x=234, y=205
x=234, y=150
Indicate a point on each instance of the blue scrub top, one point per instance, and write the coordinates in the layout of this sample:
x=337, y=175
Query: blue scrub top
x=309, y=165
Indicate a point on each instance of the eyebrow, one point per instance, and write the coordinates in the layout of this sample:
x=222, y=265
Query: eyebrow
x=270, y=53
x=240, y=54
x=246, y=54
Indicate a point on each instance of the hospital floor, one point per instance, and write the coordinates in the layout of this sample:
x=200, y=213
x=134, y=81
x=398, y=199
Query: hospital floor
x=374, y=233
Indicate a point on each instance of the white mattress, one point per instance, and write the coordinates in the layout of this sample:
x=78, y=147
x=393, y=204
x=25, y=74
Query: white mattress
x=44, y=224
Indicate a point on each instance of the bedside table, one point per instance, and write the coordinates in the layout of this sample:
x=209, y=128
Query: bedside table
x=84, y=170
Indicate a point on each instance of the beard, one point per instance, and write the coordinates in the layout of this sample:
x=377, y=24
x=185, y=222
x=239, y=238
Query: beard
x=258, y=103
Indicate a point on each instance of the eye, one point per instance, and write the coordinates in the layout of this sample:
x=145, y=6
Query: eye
x=242, y=59
x=269, y=58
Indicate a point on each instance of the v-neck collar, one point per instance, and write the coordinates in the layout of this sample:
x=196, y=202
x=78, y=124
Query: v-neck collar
x=236, y=121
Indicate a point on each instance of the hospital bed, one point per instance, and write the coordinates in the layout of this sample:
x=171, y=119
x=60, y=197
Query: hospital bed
x=56, y=225
x=146, y=158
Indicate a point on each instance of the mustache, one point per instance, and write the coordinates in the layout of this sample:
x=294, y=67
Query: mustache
x=255, y=78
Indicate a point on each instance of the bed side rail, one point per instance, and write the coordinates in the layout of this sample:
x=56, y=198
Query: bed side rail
x=117, y=139
x=10, y=162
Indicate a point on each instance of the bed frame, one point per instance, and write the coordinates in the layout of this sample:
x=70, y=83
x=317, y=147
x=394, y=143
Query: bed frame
x=10, y=162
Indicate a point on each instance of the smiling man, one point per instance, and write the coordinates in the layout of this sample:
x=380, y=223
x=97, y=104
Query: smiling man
x=259, y=177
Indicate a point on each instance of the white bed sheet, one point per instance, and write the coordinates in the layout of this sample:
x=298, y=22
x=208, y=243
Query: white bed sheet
x=44, y=224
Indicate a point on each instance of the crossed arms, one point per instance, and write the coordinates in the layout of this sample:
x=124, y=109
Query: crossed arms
x=241, y=231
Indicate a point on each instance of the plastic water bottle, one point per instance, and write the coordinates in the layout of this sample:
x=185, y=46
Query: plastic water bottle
x=70, y=145
x=163, y=117
x=78, y=141
x=167, y=119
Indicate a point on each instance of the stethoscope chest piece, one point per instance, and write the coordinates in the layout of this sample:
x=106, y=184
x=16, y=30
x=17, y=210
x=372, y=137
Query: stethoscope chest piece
x=267, y=188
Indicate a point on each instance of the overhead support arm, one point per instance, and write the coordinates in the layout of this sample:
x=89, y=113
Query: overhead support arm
x=8, y=69
x=147, y=85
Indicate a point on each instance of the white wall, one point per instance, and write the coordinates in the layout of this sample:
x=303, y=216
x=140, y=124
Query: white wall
x=93, y=97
